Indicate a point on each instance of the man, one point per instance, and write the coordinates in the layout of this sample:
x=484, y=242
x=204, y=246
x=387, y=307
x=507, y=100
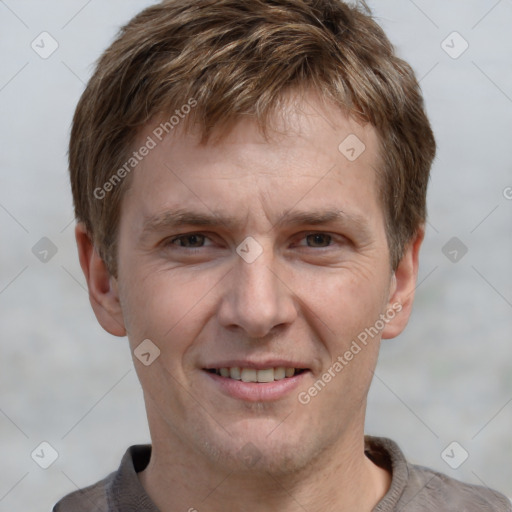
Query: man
x=250, y=182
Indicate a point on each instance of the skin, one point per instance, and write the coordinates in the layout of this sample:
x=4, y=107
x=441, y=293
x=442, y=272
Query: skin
x=304, y=298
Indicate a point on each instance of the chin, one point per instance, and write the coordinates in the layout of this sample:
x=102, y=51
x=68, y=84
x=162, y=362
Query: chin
x=263, y=451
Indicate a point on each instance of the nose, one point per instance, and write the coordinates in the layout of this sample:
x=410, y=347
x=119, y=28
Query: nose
x=257, y=298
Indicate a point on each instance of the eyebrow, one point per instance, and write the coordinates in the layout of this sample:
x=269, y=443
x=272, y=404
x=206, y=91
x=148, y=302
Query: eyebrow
x=182, y=218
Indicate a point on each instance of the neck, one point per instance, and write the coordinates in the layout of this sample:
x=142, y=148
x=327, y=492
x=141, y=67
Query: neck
x=178, y=478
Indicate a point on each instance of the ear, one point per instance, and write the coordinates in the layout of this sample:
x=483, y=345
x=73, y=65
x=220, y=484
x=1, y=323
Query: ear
x=401, y=295
x=103, y=290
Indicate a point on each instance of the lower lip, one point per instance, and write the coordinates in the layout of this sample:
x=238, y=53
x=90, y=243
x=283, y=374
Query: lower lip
x=256, y=391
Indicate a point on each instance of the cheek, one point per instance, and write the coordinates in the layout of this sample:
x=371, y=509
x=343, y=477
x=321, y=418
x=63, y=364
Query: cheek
x=167, y=307
x=344, y=302
x=343, y=310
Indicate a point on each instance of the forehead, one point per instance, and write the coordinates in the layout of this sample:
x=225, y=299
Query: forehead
x=313, y=158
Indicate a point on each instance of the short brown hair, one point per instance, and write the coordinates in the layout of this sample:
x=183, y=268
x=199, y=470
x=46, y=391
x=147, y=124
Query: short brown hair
x=237, y=58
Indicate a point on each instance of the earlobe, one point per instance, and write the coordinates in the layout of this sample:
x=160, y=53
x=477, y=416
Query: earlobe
x=103, y=290
x=403, y=286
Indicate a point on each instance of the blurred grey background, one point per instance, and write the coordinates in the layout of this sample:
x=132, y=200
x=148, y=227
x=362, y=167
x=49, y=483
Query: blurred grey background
x=446, y=380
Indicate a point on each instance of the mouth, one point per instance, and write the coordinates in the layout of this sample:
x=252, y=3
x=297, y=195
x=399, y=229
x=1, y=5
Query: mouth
x=263, y=375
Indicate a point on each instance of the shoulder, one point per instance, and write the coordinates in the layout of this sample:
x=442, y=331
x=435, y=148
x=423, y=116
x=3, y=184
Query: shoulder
x=120, y=491
x=431, y=490
x=93, y=497
x=416, y=488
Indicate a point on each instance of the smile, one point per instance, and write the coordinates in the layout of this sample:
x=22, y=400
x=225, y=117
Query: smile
x=255, y=375
x=256, y=384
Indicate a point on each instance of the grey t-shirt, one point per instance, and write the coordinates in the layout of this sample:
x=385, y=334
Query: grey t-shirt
x=413, y=488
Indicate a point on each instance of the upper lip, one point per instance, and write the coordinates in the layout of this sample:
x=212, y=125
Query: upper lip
x=257, y=365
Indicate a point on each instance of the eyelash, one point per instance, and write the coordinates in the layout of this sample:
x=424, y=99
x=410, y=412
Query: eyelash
x=170, y=242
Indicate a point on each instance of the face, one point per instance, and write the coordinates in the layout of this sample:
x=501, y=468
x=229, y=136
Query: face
x=244, y=259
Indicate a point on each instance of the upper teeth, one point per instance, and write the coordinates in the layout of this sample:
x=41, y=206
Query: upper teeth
x=253, y=375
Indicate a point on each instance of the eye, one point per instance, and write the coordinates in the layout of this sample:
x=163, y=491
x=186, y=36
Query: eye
x=191, y=240
x=318, y=239
x=194, y=241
